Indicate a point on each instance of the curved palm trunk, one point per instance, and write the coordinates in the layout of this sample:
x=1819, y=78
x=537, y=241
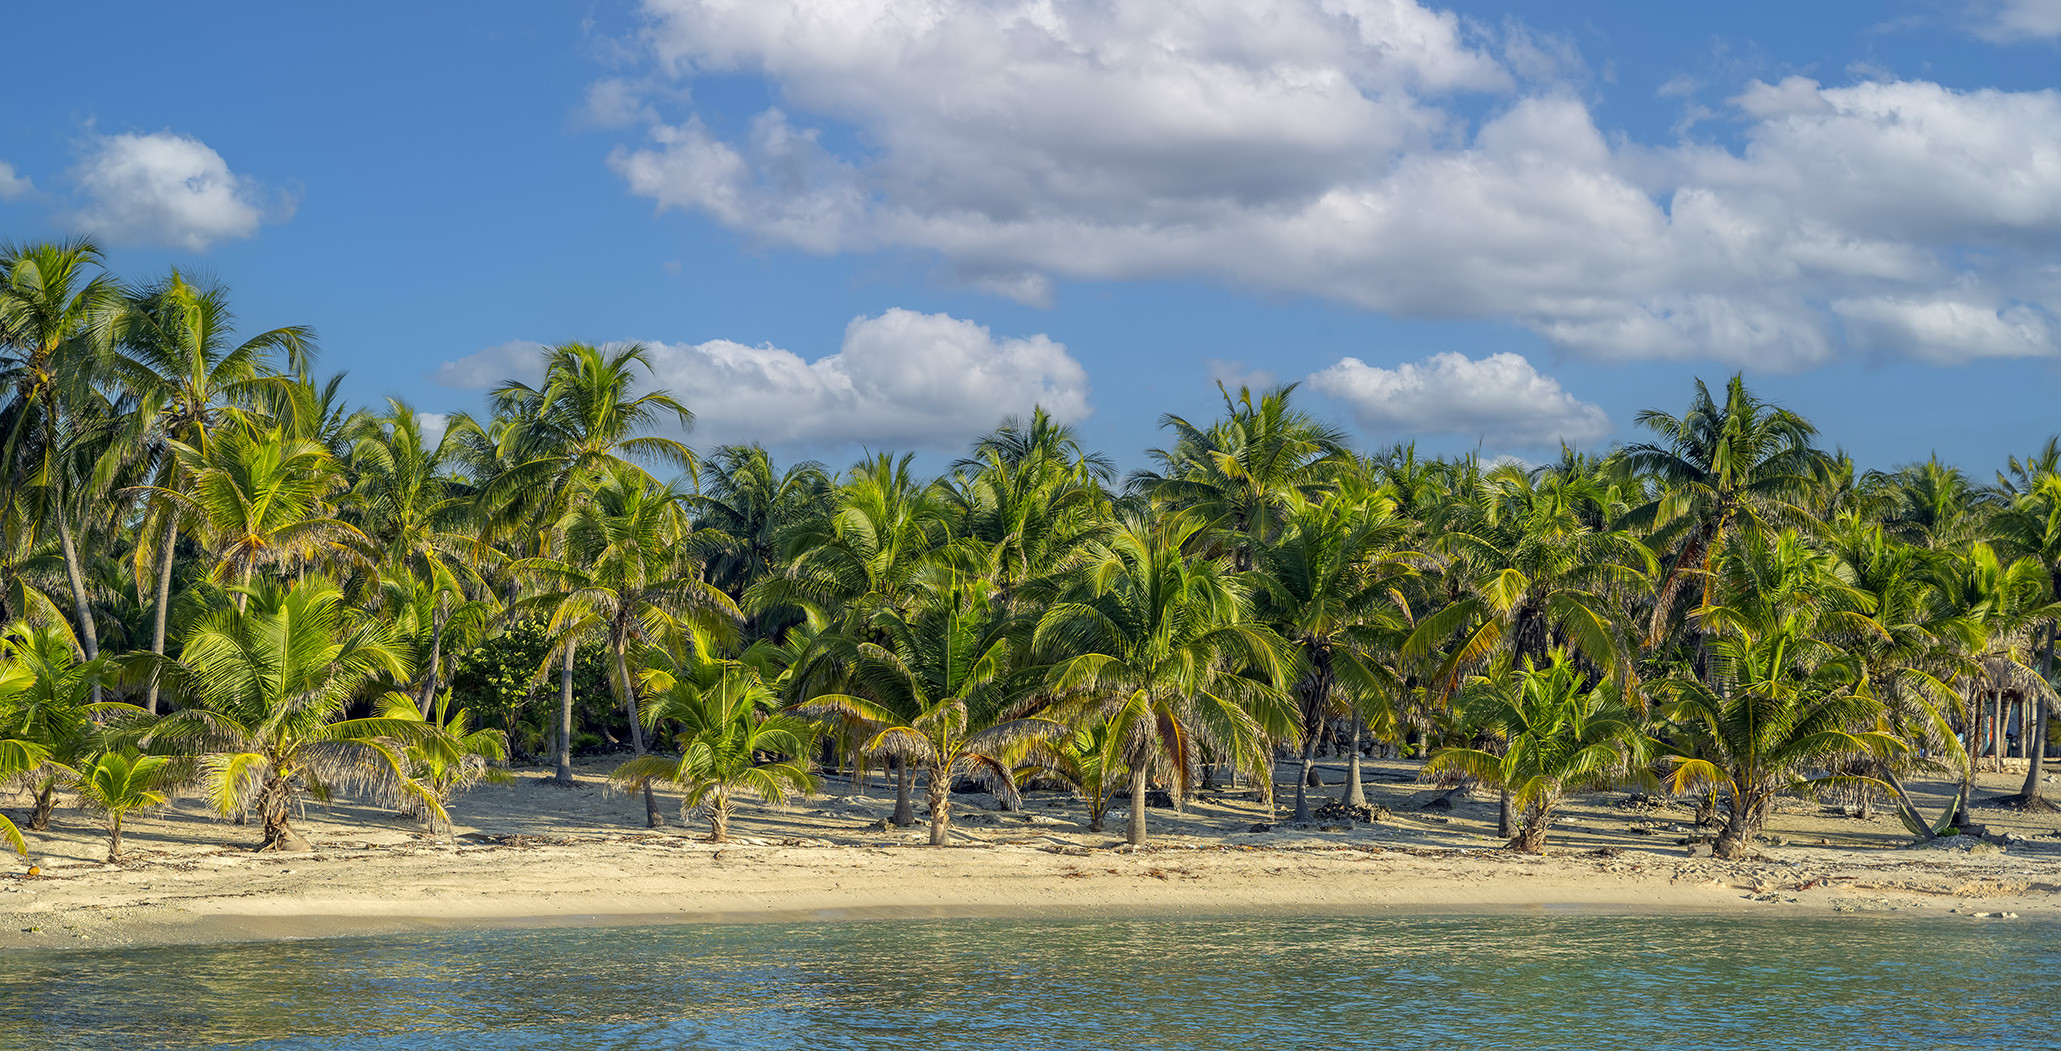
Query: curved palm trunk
x=436, y=656
x=1135, y=834
x=940, y=800
x=2035, y=733
x=164, y=602
x=565, y=716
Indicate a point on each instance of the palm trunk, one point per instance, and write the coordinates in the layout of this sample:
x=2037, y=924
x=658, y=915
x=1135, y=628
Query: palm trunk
x=652, y=818
x=1355, y=791
x=114, y=838
x=940, y=799
x=1504, y=817
x=1996, y=727
x=719, y=817
x=1302, y=783
x=436, y=654
x=46, y=802
x=1135, y=835
x=1738, y=831
x=164, y=602
x=2035, y=733
x=565, y=716
x=905, y=779
x=89, y=634
x=1906, y=805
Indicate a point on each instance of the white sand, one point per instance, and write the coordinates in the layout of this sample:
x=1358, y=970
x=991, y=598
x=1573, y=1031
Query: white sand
x=531, y=852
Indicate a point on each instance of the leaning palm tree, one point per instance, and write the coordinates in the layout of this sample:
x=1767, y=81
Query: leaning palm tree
x=937, y=692
x=1166, y=649
x=1558, y=737
x=723, y=712
x=268, y=688
x=119, y=782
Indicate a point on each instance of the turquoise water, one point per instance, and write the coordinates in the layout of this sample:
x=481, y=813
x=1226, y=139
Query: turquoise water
x=1584, y=982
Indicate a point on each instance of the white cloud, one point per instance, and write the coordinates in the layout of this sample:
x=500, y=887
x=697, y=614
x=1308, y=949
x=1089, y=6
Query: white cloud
x=900, y=379
x=434, y=426
x=169, y=190
x=1500, y=399
x=2015, y=21
x=1311, y=147
x=12, y=186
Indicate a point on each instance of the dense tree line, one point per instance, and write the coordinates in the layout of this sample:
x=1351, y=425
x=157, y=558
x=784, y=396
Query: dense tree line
x=215, y=573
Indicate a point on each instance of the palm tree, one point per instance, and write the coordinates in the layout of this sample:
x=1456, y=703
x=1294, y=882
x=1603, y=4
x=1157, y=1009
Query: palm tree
x=745, y=508
x=724, y=713
x=47, y=701
x=269, y=686
x=1330, y=588
x=57, y=320
x=938, y=692
x=181, y=362
x=1781, y=699
x=1743, y=465
x=262, y=502
x=451, y=762
x=1239, y=474
x=1088, y=756
x=119, y=782
x=2031, y=526
x=622, y=579
x=1558, y=737
x=868, y=553
x=1166, y=649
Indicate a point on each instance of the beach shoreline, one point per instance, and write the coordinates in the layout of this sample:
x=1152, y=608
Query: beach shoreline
x=530, y=854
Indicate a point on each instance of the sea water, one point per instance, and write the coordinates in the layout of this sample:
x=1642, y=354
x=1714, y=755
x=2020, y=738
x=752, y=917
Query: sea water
x=1454, y=982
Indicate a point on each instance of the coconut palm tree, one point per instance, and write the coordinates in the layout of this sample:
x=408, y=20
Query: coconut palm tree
x=449, y=763
x=268, y=688
x=47, y=701
x=119, y=782
x=937, y=693
x=1088, y=756
x=1167, y=650
x=262, y=501
x=1558, y=737
x=744, y=509
x=2031, y=526
x=58, y=315
x=181, y=361
x=1330, y=586
x=723, y=711
x=623, y=579
x=1744, y=465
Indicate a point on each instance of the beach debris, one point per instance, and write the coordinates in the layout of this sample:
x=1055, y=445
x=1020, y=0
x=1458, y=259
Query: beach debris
x=1365, y=815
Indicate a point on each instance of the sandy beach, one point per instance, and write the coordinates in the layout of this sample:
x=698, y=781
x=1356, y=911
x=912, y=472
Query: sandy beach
x=531, y=852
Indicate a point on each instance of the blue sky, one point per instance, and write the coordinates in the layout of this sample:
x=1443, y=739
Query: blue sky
x=1477, y=224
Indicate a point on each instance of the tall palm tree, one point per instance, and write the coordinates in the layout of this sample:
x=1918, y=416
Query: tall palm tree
x=59, y=313
x=1742, y=465
x=622, y=579
x=181, y=361
x=2031, y=527
x=745, y=508
x=1167, y=650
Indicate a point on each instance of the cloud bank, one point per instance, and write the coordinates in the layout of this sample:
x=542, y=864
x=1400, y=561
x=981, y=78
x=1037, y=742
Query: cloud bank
x=1316, y=147
x=168, y=190
x=1500, y=399
x=901, y=379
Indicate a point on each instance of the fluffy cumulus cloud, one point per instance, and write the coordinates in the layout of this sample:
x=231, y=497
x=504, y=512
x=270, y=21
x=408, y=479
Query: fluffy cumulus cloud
x=170, y=190
x=1314, y=146
x=899, y=379
x=1501, y=400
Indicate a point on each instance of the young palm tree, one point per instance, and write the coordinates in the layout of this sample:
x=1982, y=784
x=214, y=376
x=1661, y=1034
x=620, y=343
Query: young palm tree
x=937, y=693
x=46, y=700
x=120, y=782
x=1557, y=738
x=449, y=763
x=723, y=713
x=1088, y=756
x=1167, y=651
x=268, y=688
